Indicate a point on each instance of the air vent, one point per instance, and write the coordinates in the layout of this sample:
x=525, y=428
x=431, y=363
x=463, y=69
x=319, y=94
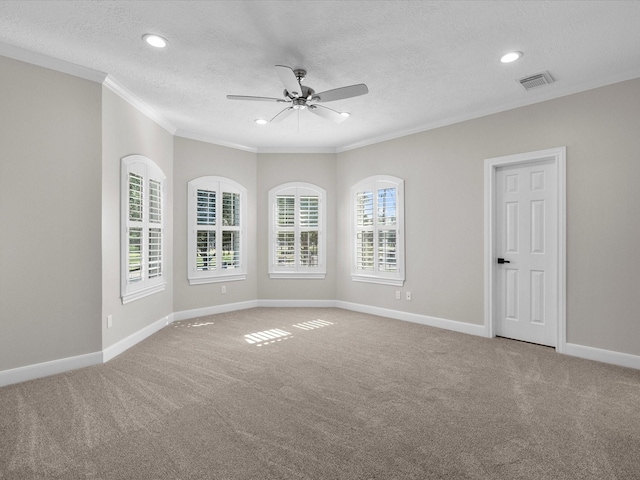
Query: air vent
x=537, y=80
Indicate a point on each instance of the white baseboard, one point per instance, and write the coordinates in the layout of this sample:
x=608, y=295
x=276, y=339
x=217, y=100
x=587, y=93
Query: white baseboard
x=605, y=356
x=126, y=343
x=31, y=372
x=298, y=303
x=462, y=327
x=45, y=369
x=213, y=310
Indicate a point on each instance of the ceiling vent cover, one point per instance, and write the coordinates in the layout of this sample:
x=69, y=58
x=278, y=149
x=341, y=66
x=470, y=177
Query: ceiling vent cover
x=537, y=80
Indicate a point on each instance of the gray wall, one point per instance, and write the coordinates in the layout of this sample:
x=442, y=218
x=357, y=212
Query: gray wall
x=50, y=167
x=276, y=169
x=443, y=225
x=196, y=159
x=62, y=138
x=443, y=171
x=126, y=131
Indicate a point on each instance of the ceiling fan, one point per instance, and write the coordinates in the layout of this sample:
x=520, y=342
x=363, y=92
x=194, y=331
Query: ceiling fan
x=300, y=97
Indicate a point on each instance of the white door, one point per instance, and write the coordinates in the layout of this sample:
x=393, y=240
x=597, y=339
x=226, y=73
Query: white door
x=526, y=240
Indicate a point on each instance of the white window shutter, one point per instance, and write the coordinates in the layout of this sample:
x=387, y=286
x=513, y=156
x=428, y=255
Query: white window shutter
x=297, y=243
x=216, y=230
x=142, y=228
x=378, y=230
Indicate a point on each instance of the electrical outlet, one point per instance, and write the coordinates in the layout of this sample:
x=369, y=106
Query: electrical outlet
x=223, y=289
x=408, y=295
x=109, y=321
x=398, y=297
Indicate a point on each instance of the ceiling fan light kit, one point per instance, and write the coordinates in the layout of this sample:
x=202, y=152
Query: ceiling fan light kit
x=300, y=97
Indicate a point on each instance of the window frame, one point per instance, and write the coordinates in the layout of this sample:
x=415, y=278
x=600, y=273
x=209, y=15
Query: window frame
x=220, y=185
x=374, y=184
x=298, y=271
x=149, y=172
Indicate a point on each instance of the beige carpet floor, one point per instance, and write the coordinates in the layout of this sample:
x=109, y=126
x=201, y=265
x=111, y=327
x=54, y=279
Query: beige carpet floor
x=324, y=394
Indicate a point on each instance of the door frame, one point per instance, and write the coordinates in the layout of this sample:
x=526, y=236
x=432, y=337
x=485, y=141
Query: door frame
x=559, y=157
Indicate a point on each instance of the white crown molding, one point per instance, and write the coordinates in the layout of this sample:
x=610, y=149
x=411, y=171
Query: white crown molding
x=531, y=98
x=51, y=63
x=331, y=150
x=69, y=68
x=215, y=141
x=266, y=150
x=117, y=88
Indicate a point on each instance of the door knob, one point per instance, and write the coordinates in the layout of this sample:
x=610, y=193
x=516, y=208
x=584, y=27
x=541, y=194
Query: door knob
x=502, y=260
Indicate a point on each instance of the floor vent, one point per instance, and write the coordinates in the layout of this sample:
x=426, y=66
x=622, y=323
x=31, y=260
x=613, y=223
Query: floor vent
x=537, y=80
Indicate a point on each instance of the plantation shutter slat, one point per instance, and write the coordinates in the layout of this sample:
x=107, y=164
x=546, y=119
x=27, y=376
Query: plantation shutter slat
x=135, y=197
x=155, y=202
x=285, y=248
x=309, y=208
x=364, y=209
x=387, y=250
x=386, y=206
x=309, y=248
x=205, y=250
x=230, y=209
x=364, y=251
x=135, y=254
x=230, y=249
x=206, y=207
x=285, y=210
x=155, y=252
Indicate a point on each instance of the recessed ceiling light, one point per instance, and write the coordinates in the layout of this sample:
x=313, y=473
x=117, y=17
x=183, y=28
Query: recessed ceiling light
x=260, y=121
x=155, y=40
x=345, y=114
x=511, y=57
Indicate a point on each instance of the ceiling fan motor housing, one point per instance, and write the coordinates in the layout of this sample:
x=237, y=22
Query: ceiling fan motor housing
x=307, y=93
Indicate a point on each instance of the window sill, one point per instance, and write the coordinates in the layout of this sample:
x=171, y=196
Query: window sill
x=138, y=294
x=217, y=279
x=398, y=282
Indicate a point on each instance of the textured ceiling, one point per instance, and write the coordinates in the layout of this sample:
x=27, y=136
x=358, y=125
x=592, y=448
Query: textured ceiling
x=426, y=63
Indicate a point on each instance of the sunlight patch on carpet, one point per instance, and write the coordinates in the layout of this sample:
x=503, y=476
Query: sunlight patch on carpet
x=268, y=336
x=312, y=324
x=192, y=324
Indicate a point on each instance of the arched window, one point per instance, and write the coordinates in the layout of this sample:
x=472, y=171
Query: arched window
x=378, y=230
x=142, y=213
x=217, y=236
x=297, y=239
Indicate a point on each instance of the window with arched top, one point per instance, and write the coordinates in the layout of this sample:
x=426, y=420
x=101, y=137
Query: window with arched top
x=142, y=231
x=297, y=238
x=377, y=217
x=217, y=239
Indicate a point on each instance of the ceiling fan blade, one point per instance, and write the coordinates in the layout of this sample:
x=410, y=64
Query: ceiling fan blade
x=256, y=99
x=341, y=93
x=282, y=115
x=289, y=80
x=328, y=113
